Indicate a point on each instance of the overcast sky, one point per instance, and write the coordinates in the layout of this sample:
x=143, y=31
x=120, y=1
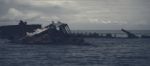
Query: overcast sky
x=79, y=14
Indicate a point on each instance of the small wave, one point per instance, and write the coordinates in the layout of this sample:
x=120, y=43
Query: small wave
x=4, y=41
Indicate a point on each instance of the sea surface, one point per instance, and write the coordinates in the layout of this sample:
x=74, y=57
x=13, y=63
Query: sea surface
x=101, y=52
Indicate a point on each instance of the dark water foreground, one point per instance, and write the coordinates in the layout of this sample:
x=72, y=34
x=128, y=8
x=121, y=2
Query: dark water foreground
x=102, y=52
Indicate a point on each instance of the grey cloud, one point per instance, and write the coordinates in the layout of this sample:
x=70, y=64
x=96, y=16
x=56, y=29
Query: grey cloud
x=94, y=13
x=49, y=10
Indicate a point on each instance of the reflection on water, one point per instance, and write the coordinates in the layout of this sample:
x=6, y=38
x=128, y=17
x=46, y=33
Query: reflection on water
x=102, y=52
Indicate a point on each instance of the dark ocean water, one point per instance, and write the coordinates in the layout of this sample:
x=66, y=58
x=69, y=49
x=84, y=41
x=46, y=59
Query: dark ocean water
x=101, y=52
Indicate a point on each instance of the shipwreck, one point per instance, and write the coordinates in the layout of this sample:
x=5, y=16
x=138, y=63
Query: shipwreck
x=54, y=33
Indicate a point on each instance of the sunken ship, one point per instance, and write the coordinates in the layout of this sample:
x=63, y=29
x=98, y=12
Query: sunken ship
x=54, y=33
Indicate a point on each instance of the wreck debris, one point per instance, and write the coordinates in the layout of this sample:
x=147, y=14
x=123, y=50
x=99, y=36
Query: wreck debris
x=129, y=34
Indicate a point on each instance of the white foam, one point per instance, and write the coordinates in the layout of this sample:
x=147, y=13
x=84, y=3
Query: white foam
x=37, y=31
